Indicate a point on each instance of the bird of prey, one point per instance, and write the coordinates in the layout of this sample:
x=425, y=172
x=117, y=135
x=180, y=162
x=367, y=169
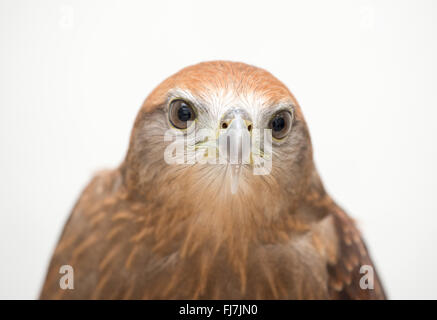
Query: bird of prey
x=196, y=229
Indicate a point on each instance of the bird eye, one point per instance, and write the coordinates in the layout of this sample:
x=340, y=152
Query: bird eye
x=280, y=124
x=180, y=113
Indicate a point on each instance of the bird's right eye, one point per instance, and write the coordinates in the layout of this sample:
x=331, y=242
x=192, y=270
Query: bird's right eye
x=180, y=113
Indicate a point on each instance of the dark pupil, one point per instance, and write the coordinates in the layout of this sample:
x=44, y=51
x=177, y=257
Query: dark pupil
x=184, y=113
x=278, y=124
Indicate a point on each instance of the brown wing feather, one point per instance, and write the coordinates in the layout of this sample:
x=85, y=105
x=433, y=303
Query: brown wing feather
x=84, y=242
x=344, y=274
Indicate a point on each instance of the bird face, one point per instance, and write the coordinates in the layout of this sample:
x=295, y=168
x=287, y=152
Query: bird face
x=230, y=131
x=223, y=129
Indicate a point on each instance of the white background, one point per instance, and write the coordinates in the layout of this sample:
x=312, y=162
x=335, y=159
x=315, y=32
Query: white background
x=73, y=75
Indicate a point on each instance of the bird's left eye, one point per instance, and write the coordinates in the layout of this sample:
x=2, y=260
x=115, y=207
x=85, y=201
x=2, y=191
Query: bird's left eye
x=180, y=113
x=280, y=124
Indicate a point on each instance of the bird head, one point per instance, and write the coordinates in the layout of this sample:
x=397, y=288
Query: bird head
x=220, y=131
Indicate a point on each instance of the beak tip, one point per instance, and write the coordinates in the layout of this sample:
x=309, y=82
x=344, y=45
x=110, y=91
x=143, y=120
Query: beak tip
x=235, y=177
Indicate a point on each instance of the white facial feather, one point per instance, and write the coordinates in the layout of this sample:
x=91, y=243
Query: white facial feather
x=212, y=104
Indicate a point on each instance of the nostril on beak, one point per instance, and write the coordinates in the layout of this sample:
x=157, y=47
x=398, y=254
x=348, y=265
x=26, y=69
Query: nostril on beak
x=225, y=125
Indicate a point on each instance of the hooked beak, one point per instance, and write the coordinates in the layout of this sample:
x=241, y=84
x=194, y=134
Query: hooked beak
x=234, y=143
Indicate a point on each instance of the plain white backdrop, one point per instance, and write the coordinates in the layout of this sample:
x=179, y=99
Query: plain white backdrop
x=73, y=75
